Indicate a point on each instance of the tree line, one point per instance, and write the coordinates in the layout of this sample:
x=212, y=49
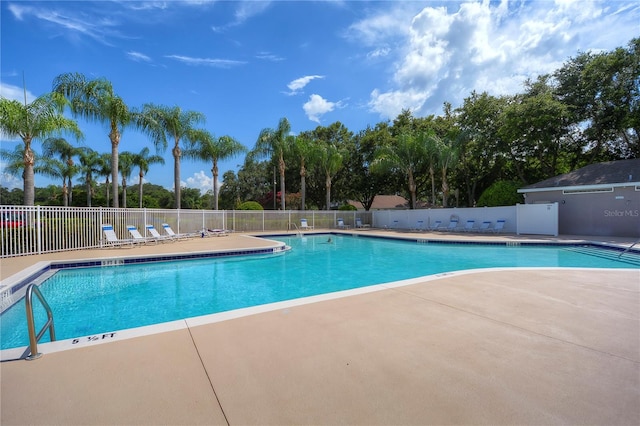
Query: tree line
x=586, y=111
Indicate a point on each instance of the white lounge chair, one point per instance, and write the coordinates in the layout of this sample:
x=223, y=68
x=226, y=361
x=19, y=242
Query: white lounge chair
x=419, y=226
x=499, y=226
x=111, y=239
x=169, y=231
x=208, y=232
x=468, y=226
x=359, y=224
x=453, y=225
x=435, y=226
x=341, y=224
x=137, y=236
x=485, y=226
x=304, y=225
x=156, y=235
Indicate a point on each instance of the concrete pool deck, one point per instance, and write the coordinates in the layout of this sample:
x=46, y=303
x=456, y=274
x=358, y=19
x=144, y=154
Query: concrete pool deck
x=543, y=346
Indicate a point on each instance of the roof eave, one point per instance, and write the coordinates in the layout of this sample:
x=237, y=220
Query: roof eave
x=579, y=187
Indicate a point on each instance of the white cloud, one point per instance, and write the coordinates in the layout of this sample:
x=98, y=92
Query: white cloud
x=15, y=93
x=268, y=56
x=210, y=62
x=442, y=54
x=138, y=57
x=244, y=11
x=298, y=84
x=317, y=106
x=201, y=181
x=9, y=181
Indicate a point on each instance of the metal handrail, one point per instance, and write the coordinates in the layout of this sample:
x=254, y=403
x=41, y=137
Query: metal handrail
x=628, y=248
x=33, y=338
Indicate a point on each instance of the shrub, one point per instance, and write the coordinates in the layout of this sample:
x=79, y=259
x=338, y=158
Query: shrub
x=347, y=207
x=501, y=193
x=250, y=205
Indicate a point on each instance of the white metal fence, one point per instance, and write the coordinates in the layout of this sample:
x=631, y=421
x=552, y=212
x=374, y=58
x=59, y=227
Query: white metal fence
x=26, y=230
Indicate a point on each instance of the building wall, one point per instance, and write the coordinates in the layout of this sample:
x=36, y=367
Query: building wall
x=615, y=214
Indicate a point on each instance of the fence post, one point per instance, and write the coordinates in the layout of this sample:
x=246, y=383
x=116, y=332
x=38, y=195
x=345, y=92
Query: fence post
x=38, y=229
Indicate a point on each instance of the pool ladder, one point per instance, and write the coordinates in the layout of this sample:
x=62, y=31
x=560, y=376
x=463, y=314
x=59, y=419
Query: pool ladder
x=33, y=337
x=298, y=231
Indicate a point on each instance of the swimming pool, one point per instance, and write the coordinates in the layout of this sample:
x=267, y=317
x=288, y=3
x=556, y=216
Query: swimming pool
x=89, y=301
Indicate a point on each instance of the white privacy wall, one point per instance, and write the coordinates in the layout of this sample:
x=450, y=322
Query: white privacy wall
x=535, y=219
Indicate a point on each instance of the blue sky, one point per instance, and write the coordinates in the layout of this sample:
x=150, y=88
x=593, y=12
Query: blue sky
x=245, y=65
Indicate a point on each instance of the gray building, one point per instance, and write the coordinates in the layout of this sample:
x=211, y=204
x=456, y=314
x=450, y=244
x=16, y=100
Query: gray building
x=600, y=199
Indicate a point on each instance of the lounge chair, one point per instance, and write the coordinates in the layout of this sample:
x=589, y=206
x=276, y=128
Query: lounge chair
x=341, y=224
x=208, y=232
x=499, y=226
x=394, y=224
x=436, y=226
x=169, y=231
x=419, y=226
x=137, y=236
x=304, y=225
x=156, y=235
x=112, y=239
x=453, y=225
x=485, y=226
x=468, y=227
x=359, y=224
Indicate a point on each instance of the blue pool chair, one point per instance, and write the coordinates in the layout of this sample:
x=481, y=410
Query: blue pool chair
x=435, y=226
x=485, y=226
x=304, y=225
x=468, y=227
x=453, y=225
x=499, y=226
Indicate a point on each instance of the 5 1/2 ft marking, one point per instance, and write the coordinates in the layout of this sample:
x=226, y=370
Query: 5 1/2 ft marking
x=94, y=338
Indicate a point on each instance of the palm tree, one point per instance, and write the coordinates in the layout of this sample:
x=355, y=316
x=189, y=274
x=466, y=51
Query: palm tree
x=126, y=168
x=104, y=165
x=143, y=160
x=39, y=119
x=447, y=155
x=56, y=146
x=329, y=159
x=14, y=161
x=207, y=148
x=304, y=149
x=59, y=169
x=431, y=142
x=274, y=143
x=406, y=155
x=95, y=101
x=89, y=164
x=163, y=122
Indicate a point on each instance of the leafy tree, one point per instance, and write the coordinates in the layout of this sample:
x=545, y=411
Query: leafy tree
x=96, y=101
x=143, y=160
x=365, y=181
x=250, y=205
x=274, y=143
x=208, y=148
x=11, y=198
x=36, y=120
x=164, y=122
x=501, y=193
x=62, y=170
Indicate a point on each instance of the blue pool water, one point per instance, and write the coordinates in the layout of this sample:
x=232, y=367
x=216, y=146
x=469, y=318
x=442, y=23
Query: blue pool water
x=90, y=301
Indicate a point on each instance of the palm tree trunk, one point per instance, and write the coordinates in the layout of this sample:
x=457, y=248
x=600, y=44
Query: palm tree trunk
x=412, y=189
x=88, y=188
x=115, y=141
x=141, y=175
x=214, y=172
x=176, y=172
x=106, y=187
x=433, y=184
x=28, y=175
x=124, y=193
x=65, y=192
x=282, y=189
x=327, y=184
x=445, y=187
x=303, y=185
